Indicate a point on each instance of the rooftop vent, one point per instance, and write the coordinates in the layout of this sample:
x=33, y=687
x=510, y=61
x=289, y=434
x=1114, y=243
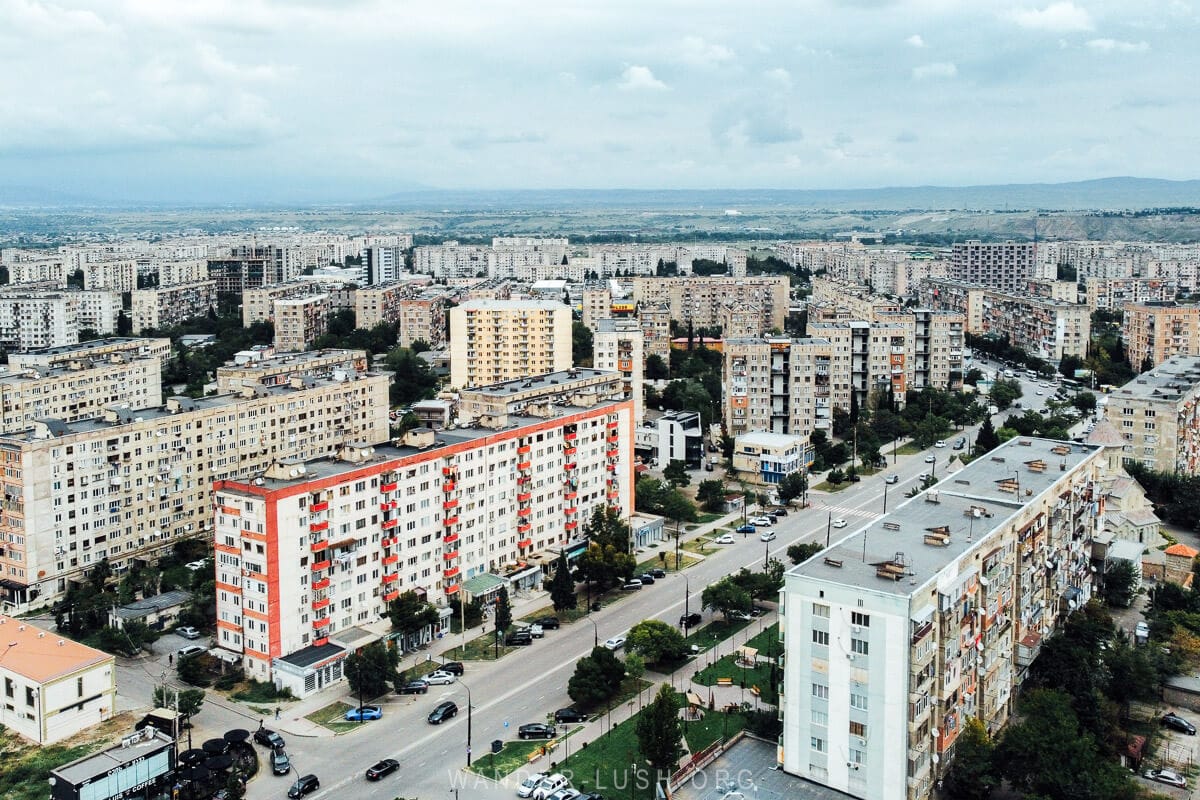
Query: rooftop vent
x=893, y=570
x=938, y=537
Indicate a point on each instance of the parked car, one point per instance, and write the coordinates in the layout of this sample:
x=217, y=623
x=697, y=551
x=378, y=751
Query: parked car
x=658, y=572
x=566, y=793
x=535, y=730
x=615, y=642
x=190, y=650
x=1141, y=631
x=304, y=785
x=364, y=713
x=1167, y=776
x=529, y=784
x=549, y=785
x=453, y=667
x=521, y=638
x=1173, y=720
x=195, y=565
x=419, y=686
x=536, y=630
x=838, y=522
x=761, y=521
x=569, y=714
x=960, y=443
x=940, y=443
x=929, y=459
x=689, y=620
x=443, y=712
x=647, y=579
x=767, y=535
x=747, y=528
x=280, y=763
x=724, y=538
x=268, y=738
x=188, y=632
x=549, y=623
x=632, y=586
x=382, y=768
x=892, y=479
x=779, y=512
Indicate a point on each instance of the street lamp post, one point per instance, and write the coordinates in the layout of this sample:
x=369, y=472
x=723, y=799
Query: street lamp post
x=885, y=487
x=687, y=594
x=595, y=632
x=468, y=688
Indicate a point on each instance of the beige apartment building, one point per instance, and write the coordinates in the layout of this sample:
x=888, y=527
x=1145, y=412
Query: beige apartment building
x=618, y=345
x=948, y=294
x=78, y=390
x=699, y=300
x=1158, y=415
x=424, y=318
x=902, y=631
x=656, y=330
x=1155, y=332
x=50, y=271
x=171, y=305
x=258, y=304
x=310, y=555
x=1113, y=294
x=299, y=321
x=580, y=386
x=114, y=276
x=171, y=271
x=279, y=370
x=494, y=341
x=113, y=347
x=596, y=304
x=778, y=385
x=128, y=485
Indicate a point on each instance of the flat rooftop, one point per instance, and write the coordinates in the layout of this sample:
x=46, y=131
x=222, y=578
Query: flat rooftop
x=547, y=381
x=1168, y=381
x=89, y=767
x=41, y=656
x=748, y=771
x=969, y=502
x=292, y=360
x=512, y=305
x=96, y=344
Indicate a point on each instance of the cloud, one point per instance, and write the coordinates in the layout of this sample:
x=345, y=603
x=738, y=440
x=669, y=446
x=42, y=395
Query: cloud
x=216, y=65
x=1058, y=17
x=696, y=51
x=915, y=41
x=841, y=139
x=478, y=138
x=905, y=137
x=638, y=78
x=938, y=69
x=1117, y=46
x=779, y=76
x=752, y=123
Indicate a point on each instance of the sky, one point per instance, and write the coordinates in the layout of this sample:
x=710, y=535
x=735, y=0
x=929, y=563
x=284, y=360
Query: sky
x=348, y=100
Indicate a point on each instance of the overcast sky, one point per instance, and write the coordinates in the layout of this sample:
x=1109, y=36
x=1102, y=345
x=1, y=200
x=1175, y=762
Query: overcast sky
x=307, y=99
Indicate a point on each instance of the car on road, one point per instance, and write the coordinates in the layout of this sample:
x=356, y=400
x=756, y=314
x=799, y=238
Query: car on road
x=632, y=586
x=1167, y=776
x=924, y=476
x=724, y=538
x=761, y=521
x=615, y=642
x=548, y=623
x=535, y=730
x=1039, y=393
x=549, y=785
x=689, y=620
x=778, y=512
x=767, y=536
x=440, y=678
x=456, y=667
x=569, y=714
x=280, y=763
x=268, y=738
x=443, y=711
x=658, y=572
x=646, y=578
x=304, y=785
x=1141, y=631
x=838, y=522
x=960, y=443
x=536, y=630
x=418, y=686
x=190, y=650
x=382, y=769
x=195, y=565
x=188, y=632
x=747, y=528
x=892, y=479
x=364, y=713
x=1176, y=722
x=940, y=443
x=521, y=638
x=529, y=784
x=929, y=459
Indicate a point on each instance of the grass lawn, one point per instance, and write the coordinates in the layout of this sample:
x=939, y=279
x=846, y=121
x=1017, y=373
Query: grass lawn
x=26, y=766
x=513, y=756
x=765, y=640
x=685, y=561
x=715, y=632
x=910, y=449
x=826, y=486
x=707, y=517
x=715, y=725
x=481, y=648
x=255, y=692
x=333, y=717
x=603, y=764
x=727, y=667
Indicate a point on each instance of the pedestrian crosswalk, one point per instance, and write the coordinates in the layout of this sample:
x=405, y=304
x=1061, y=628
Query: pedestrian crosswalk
x=841, y=511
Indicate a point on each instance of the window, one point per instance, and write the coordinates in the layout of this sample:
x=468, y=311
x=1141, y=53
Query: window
x=858, y=701
x=859, y=646
x=857, y=756
x=28, y=695
x=820, y=718
x=817, y=744
x=79, y=687
x=858, y=729
x=820, y=690
x=820, y=610
x=820, y=637
x=860, y=619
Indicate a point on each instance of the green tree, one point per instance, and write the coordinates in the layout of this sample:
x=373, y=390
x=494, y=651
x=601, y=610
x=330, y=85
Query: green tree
x=677, y=508
x=799, y=553
x=1085, y=402
x=1004, y=392
x=656, y=641
x=468, y=617
x=659, y=735
x=973, y=377
x=371, y=669
x=562, y=586
x=503, y=610
x=676, y=473
x=760, y=585
x=656, y=368
x=412, y=378
x=725, y=596
x=581, y=344
x=972, y=774
x=607, y=556
x=1120, y=582
x=711, y=494
x=187, y=702
x=793, y=486
x=986, y=439
x=410, y=614
x=597, y=677
x=635, y=666
x=192, y=670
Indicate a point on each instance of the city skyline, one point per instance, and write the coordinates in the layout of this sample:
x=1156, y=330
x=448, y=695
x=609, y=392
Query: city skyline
x=273, y=102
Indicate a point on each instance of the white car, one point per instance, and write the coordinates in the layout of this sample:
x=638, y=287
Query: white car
x=536, y=631
x=838, y=522
x=564, y=794
x=924, y=476
x=761, y=521
x=188, y=632
x=929, y=459
x=940, y=443
x=190, y=650
x=614, y=643
x=767, y=536
x=1142, y=630
x=724, y=538
x=1040, y=393
x=529, y=784
x=549, y=785
x=440, y=677
x=195, y=565
x=892, y=479
x=1167, y=776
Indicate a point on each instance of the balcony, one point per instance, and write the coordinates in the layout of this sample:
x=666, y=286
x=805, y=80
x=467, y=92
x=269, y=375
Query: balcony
x=451, y=589
x=612, y=424
x=569, y=451
x=389, y=506
x=388, y=487
x=451, y=555
x=320, y=565
x=450, y=538
x=448, y=521
x=524, y=449
x=524, y=512
x=612, y=467
x=449, y=504
x=317, y=527
x=317, y=508
x=613, y=453
x=571, y=436
x=448, y=486
x=524, y=465
x=524, y=543
x=450, y=472
x=524, y=497
x=392, y=559
x=524, y=527
x=392, y=595
x=450, y=572
x=391, y=577
x=570, y=466
x=319, y=604
x=323, y=622
x=571, y=510
x=321, y=584
x=570, y=495
x=388, y=524
x=572, y=525
x=318, y=546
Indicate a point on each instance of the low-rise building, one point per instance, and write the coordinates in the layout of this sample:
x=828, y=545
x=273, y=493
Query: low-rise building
x=767, y=458
x=281, y=369
x=54, y=687
x=673, y=436
x=700, y=300
x=170, y=305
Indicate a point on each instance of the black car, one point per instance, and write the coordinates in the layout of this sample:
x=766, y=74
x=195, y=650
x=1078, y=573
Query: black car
x=590, y=796
x=549, y=623
x=415, y=687
x=453, y=667
x=535, y=730
x=778, y=512
x=306, y=784
x=1173, y=720
x=658, y=572
x=689, y=620
x=646, y=579
x=443, y=712
x=381, y=768
x=280, y=763
x=569, y=715
x=269, y=738
x=519, y=639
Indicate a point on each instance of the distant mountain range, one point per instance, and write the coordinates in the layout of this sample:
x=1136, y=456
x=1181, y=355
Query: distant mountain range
x=1104, y=194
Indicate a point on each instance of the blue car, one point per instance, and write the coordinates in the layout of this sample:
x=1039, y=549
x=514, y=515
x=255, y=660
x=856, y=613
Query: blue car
x=363, y=713
x=747, y=528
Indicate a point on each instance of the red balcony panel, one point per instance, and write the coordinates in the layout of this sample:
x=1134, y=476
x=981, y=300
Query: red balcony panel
x=320, y=641
x=450, y=573
x=524, y=543
x=612, y=467
x=451, y=520
x=388, y=524
x=570, y=451
x=524, y=527
x=524, y=497
x=392, y=559
x=389, y=541
x=321, y=584
x=450, y=539
x=524, y=465
x=392, y=595
x=571, y=436
x=570, y=495
x=391, y=577
x=451, y=589
x=388, y=487
x=448, y=486
x=449, y=504
x=318, y=526
x=524, y=512
x=613, y=453
x=614, y=493
x=317, y=508
x=612, y=424
x=570, y=511
x=319, y=604
x=320, y=565
x=572, y=525
x=524, y=479
x=317, y=547
x=323, y=622
x=451, y=555
x=523, y=449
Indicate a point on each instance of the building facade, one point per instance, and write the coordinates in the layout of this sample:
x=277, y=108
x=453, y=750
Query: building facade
x=113, y=347
x=700, y=300
x=1157, y=415
x=299, y=321
x=1155, y=332
x=617, y=345
x=77, y=390
x=495, y=341
x=1006, y=266
x=424, y=318
x=37, y=319
x=767, y=458
x=170, y=305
